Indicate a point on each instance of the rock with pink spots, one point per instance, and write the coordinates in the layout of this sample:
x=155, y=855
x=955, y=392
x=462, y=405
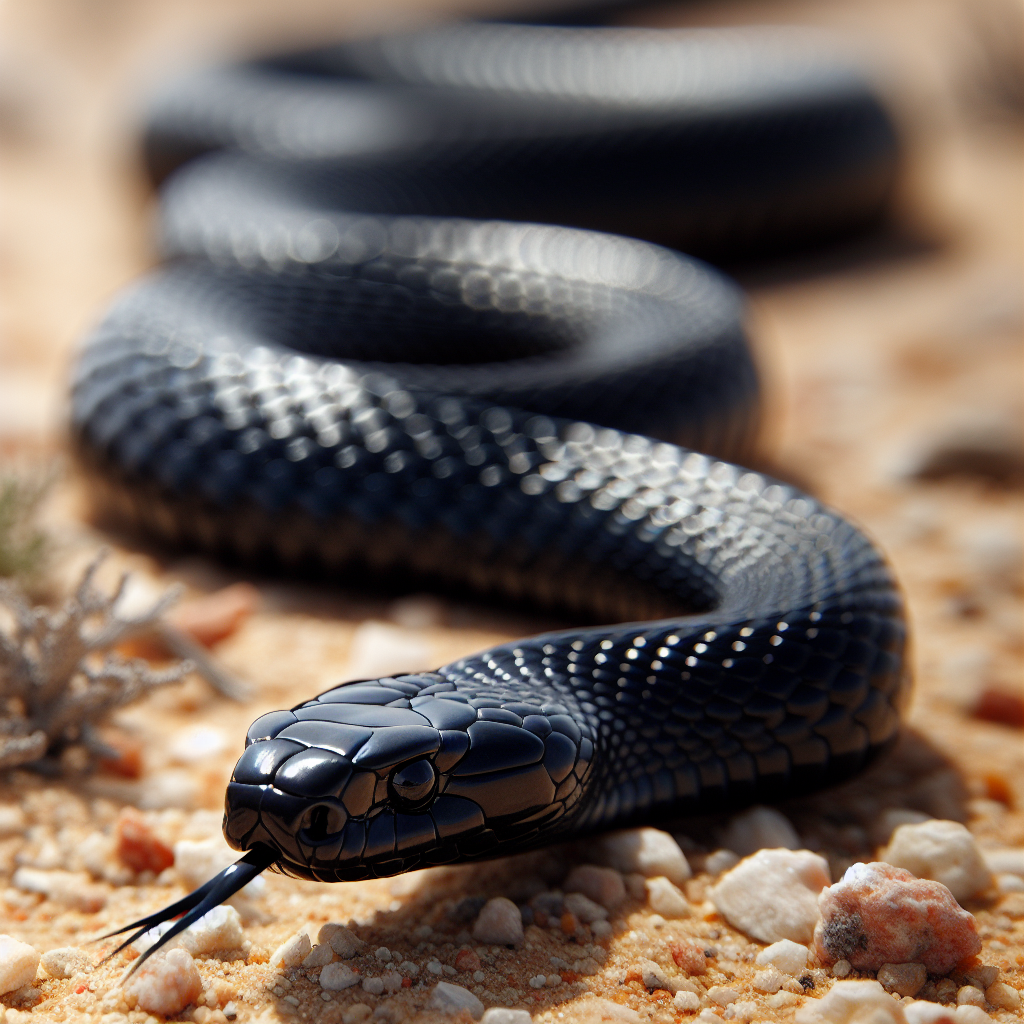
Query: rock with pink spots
x=878, y=914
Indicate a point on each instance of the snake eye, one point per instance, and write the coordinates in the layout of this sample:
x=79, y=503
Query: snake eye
x=413, y=785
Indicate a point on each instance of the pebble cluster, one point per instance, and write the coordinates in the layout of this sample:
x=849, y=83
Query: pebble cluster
x=757, y=932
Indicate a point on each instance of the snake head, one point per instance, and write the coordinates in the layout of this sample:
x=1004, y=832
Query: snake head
x=381, y=776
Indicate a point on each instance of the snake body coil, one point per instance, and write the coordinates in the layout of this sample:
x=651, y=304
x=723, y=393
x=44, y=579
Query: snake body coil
x=320, y=377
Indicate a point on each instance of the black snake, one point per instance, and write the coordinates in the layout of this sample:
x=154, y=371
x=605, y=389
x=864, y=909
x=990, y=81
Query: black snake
x=337, y=367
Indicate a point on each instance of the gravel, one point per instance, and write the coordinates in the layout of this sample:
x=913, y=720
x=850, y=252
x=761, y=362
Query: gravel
x=666, y=899
x=292, y=951
x=646, y=851
x=165, y=984
x=18, y=963
x=852, y=1002
x=760, y=828
x=772, y=895
x=452, y=999
x=879, y=914
x=66, y=962
x=786, y=956
x=220, y=929
x=503, y=1015
x=338, y=977
x=500, y=923
x=602, y=885
x=943, y=851
x=903, y=979
x=584, y=909
x=72, y=889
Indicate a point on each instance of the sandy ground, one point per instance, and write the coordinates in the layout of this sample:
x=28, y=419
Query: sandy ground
x=878, y=355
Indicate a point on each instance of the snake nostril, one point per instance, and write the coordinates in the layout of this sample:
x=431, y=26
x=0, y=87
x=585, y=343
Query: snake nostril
x=413, y=785
x=322, y=823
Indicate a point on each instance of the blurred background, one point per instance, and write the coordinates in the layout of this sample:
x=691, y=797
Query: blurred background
x=892, y=361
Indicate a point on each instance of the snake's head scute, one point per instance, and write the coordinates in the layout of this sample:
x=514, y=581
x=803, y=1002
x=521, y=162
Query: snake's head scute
x=380, y=776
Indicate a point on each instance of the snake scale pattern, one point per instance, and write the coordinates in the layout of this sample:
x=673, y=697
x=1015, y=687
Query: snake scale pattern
x=371, y=351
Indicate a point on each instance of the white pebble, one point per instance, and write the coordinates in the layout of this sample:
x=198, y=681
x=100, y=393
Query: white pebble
x=199, y=860
x=943, y=851
x=769, y=980
x=686, y=1001
x=538, y=981
x=12, y=821
x=434, y=967
x=585, y=910
x=197, y=743
x=773, y=894
x=723, y=994
x=601, y=929
x=500, y=923
x=478, y=977
x=1006, y=861
x=292, y=951
x=321, y=956
x=220, y=929
x=785, y=955
x=383, y=953
x=392, y=981
x=18, y=963
x=165, y=984
x=602, y=885
x=503, y=1015
x=645, y=851
x=781, y=1000
x=719, y=861
x=760, y=828
x=654, y=975
x=66, y=962
x=1008, y=882
x=451, y=999
x=852, y=1002
x=841, y=968
x=69, y=888
x=345, y=943
x=356, y=1014
x=409, y=969
x=336, y=977
x=373, y=986
x=666, y=899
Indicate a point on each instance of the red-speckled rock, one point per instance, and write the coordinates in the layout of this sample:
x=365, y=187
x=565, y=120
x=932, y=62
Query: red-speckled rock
x=878, y=914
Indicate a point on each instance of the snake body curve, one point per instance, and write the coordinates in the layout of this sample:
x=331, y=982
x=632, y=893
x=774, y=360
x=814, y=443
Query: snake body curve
x=320, y=376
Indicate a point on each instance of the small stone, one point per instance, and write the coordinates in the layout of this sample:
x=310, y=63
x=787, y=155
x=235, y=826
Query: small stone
x=603, y=1011
x=1007, y=882
x=602, y=885
x=383, y=954
x=18, y=963
x=770, y=980
x=645, y=851
x=688, y=1002
x=66, y=962
x=601, y=930
x=970, y=1014
x=722, y=994
x=356, y=1013
x=12, y=821
x=321, y=956
x=969, y=995
x=219, y=929
x=466, y=961
x=879, y=914
x=452, y=999
x=373, y=986
x=1003, y=996
x=503, y=1015
x=918, y=1011
x=73, y=889
x=852, y=1002
x=499, y=923
x=137, y=846
x=719, y=861
x=292, y=951
x=943, y=851
x=760, y=828
x=344, y=942
x=165, y=984
x=785, y=955
x=772, y=895
x=688, y=957
x=199, y=860
x=841, y=968
x=409, y=969
x=981, y=975
x=666, y=899
x=654, y=976
x=1008, y=860
x=890, y=819
x=903, y=979
x=584, y=909
x=337, y=977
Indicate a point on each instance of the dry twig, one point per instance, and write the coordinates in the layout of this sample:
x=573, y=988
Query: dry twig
x=58, y=674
